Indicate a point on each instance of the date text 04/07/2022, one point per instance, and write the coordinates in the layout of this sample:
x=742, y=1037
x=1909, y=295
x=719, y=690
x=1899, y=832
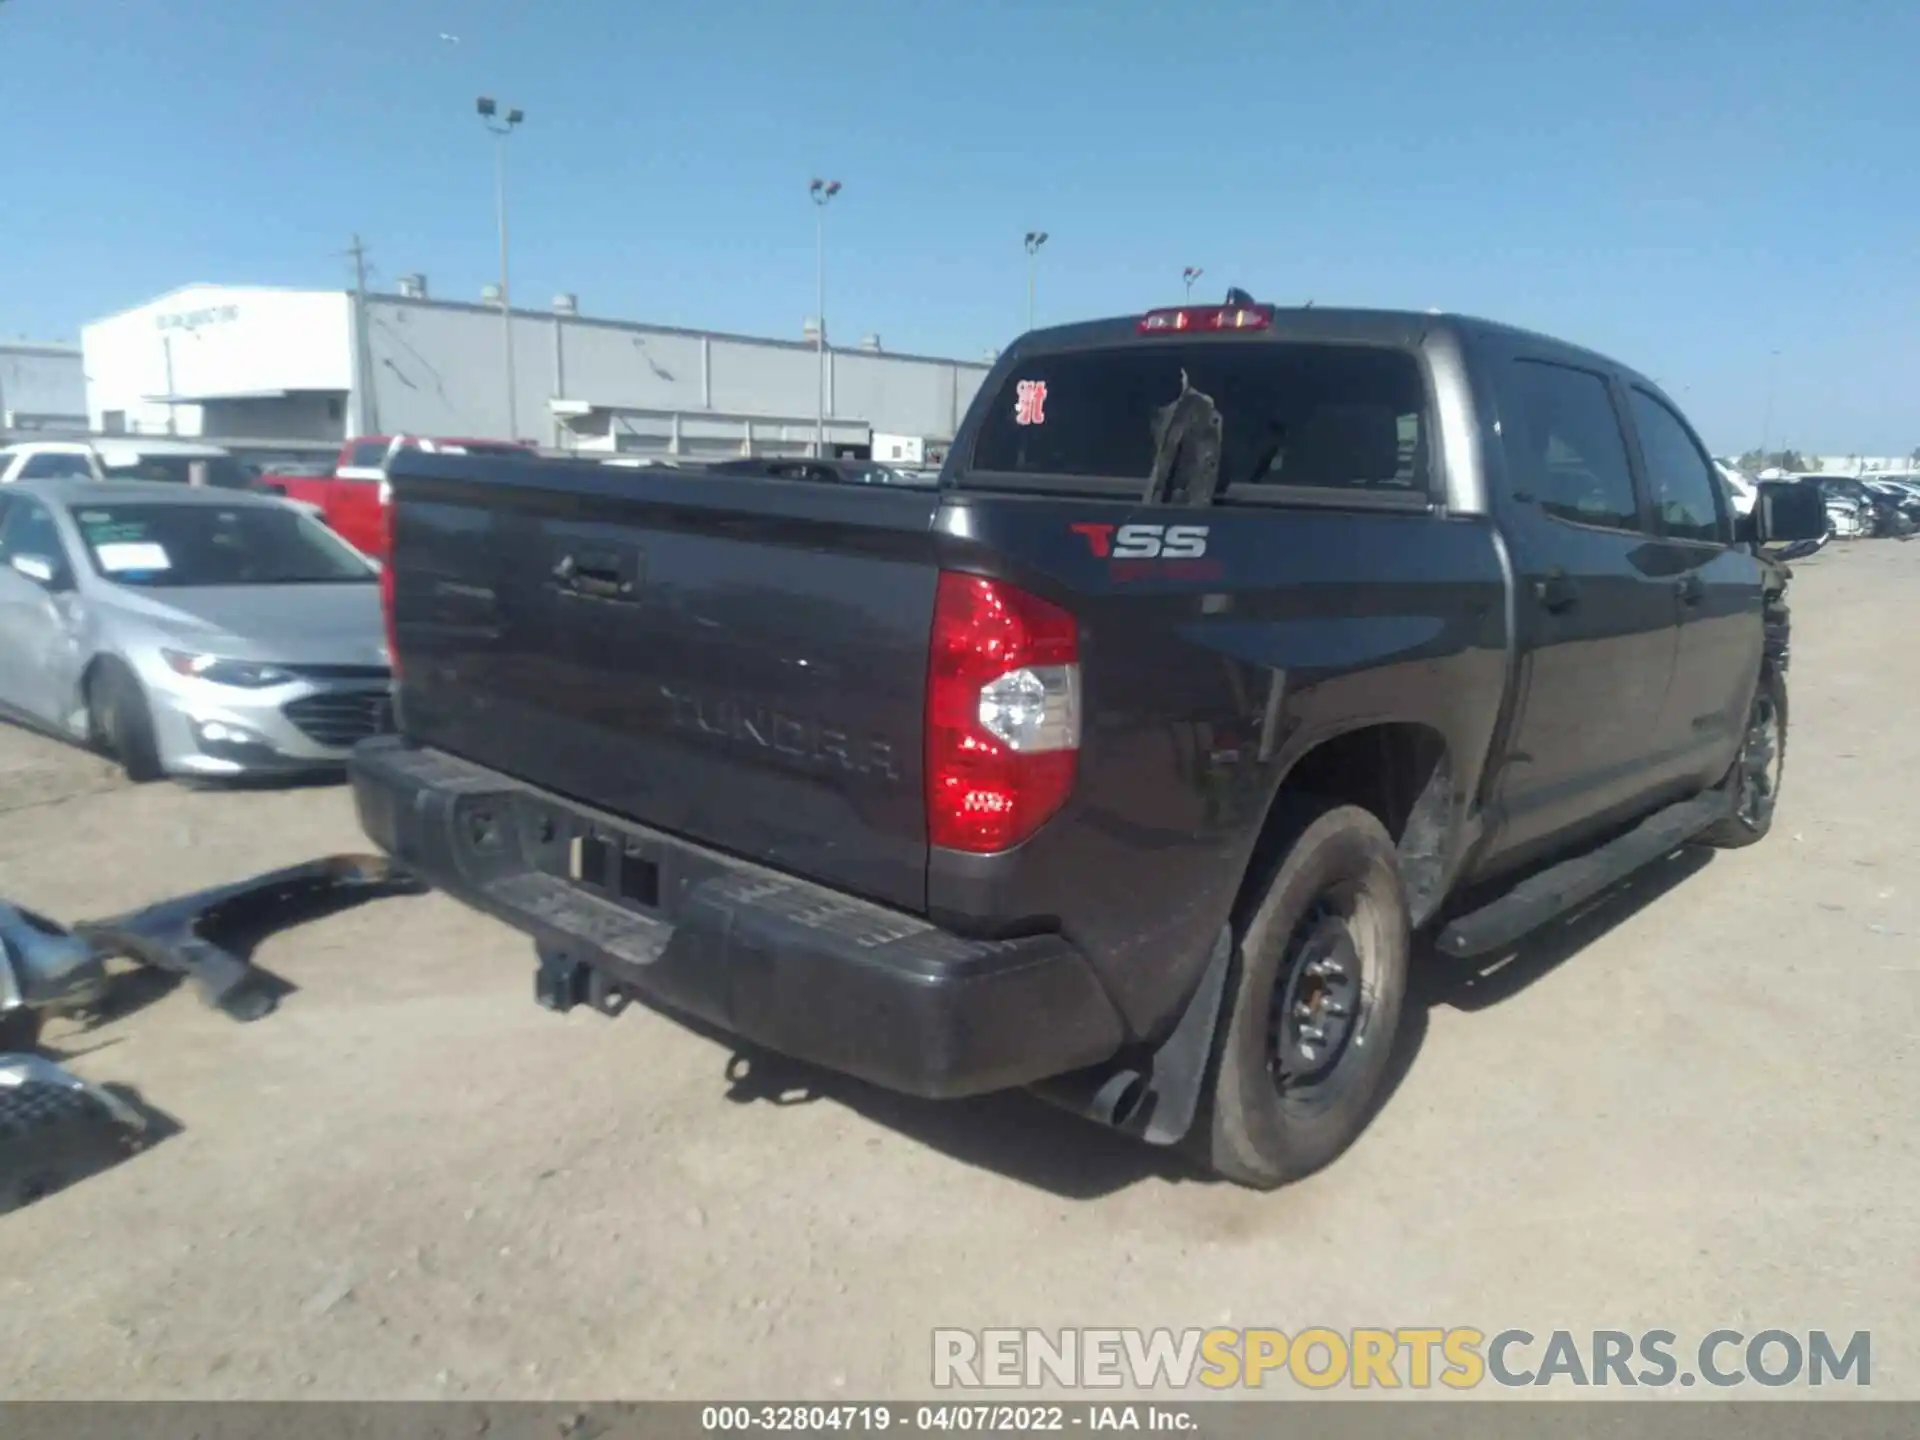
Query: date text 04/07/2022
x=974, y=1418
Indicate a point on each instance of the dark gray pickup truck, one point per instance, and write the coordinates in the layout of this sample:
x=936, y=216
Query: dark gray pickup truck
x=1234, y=648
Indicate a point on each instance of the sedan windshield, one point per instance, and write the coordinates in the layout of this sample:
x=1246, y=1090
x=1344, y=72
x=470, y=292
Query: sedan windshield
x=169, y=546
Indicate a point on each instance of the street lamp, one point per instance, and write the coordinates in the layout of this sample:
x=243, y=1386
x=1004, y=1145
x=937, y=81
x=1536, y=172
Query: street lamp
x=1766, y=422
x=1035, y=239
x=822, y=191
x=501, y=127
x=1189, y=275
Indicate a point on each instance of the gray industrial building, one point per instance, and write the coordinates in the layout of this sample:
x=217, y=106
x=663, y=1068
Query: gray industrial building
x=297, y=365
x=43, y=389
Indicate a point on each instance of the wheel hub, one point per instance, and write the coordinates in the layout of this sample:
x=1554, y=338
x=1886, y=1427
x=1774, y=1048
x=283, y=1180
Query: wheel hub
x=1760, y=762
x=1317, y=1010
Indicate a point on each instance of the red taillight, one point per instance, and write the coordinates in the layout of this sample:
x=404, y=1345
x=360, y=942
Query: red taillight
x=1206, y=317
x=1003, y=714
x=386, y=611
x=384, y=531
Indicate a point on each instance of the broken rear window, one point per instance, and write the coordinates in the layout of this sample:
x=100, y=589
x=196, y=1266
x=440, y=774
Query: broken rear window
x=1319, y=416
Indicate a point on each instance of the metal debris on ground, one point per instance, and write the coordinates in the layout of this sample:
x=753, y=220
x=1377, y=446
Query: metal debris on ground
x=56, y=1129
x=177, y=935
x=44, y=968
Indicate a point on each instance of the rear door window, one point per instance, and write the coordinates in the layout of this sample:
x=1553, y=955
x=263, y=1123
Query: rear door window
x=368, y=455
x=1566, y=449
x=1342, y=418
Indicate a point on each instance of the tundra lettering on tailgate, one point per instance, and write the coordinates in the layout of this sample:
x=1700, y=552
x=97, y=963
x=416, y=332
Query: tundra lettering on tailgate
x=1149, y=551
x=807, y=743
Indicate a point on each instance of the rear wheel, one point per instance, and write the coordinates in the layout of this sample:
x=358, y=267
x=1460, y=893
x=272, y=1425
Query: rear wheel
x=19, y=1030
x=1321, y=975
x=119, y=723
x=1754, y=780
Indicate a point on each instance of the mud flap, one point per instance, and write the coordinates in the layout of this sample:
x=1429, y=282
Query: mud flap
x=1156, y=1100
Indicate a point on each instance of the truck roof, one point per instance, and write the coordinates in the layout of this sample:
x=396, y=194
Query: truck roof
x=116, y=444
x=1310, y=323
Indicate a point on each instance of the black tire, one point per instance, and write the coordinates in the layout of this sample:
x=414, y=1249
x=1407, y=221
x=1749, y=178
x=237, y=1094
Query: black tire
x=19, y=1030
x=1332, y=925
x=120, y=724
x=1753, y=782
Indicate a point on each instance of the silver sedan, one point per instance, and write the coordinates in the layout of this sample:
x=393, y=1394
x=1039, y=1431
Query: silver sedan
x=188, y=632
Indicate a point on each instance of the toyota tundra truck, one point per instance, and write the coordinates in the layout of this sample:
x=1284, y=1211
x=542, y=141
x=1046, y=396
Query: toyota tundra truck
x=1234, y=649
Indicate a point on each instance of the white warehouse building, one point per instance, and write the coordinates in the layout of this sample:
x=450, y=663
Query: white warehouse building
x=312, y=365
x=43, y=388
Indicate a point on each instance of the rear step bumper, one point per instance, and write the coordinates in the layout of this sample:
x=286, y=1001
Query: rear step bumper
x=801, y=969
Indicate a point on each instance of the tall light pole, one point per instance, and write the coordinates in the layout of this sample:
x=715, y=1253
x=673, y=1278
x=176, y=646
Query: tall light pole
x=1189, y=275
x=1766, y=422
x=822, y=191
x=1035, y=239
x=501, y=127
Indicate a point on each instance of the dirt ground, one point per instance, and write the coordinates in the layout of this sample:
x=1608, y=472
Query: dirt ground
x=1691, y=1109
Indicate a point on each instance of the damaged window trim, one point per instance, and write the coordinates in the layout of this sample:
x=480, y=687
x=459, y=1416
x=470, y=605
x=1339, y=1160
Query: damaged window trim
x=1319, y=497
x=1047, y=483
x=1272, y=497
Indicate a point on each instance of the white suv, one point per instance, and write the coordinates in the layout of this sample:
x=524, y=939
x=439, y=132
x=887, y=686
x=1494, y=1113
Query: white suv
x=181, y=462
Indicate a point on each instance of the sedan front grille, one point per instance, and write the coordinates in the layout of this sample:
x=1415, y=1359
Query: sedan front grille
x=341, y=718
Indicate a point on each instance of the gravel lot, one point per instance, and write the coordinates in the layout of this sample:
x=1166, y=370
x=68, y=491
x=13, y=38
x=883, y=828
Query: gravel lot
x=411, y=1182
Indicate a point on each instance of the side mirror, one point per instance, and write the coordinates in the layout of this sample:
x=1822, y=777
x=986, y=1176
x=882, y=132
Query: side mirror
x=1785, y=511
x=40, y=570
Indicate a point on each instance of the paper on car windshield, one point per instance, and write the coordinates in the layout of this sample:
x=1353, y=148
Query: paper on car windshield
x=123, y=555
x=103, y=530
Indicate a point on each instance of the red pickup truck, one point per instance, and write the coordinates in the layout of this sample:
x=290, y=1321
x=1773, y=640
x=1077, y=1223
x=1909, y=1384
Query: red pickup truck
x=353, y=498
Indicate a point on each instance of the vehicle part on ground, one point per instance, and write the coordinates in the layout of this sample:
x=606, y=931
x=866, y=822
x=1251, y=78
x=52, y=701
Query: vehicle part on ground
x=56, y=1129
x=174, y=935
x=44, y=969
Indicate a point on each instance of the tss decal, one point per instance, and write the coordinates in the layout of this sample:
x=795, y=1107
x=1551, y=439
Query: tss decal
x=1145, y=542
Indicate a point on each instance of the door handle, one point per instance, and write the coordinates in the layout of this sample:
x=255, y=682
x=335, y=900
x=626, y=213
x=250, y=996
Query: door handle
x=1556, y=592
x=1690, y=590
x=598, y=575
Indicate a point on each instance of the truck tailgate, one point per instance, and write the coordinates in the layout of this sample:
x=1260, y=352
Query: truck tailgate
x=737, y=660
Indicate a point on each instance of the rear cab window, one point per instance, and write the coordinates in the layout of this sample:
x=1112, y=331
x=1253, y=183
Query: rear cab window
x=57, y=465
x=1565, y=447
x=1310, y=420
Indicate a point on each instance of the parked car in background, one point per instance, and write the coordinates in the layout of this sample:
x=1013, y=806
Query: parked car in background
x=1859, y=510
x=187, y=631
x=1848, y=516
x=1902, y=496
x=1741, y=486
x=277, y=472
x=175, y=462
x=351, y=497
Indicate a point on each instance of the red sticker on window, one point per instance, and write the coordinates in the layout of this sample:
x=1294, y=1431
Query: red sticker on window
x=1030, y=402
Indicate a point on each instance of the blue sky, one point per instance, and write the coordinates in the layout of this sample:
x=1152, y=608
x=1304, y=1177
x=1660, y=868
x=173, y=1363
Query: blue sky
x=1687, y=184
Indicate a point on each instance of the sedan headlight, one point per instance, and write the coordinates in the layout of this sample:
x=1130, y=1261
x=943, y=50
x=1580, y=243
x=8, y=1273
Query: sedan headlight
x=243, y=674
